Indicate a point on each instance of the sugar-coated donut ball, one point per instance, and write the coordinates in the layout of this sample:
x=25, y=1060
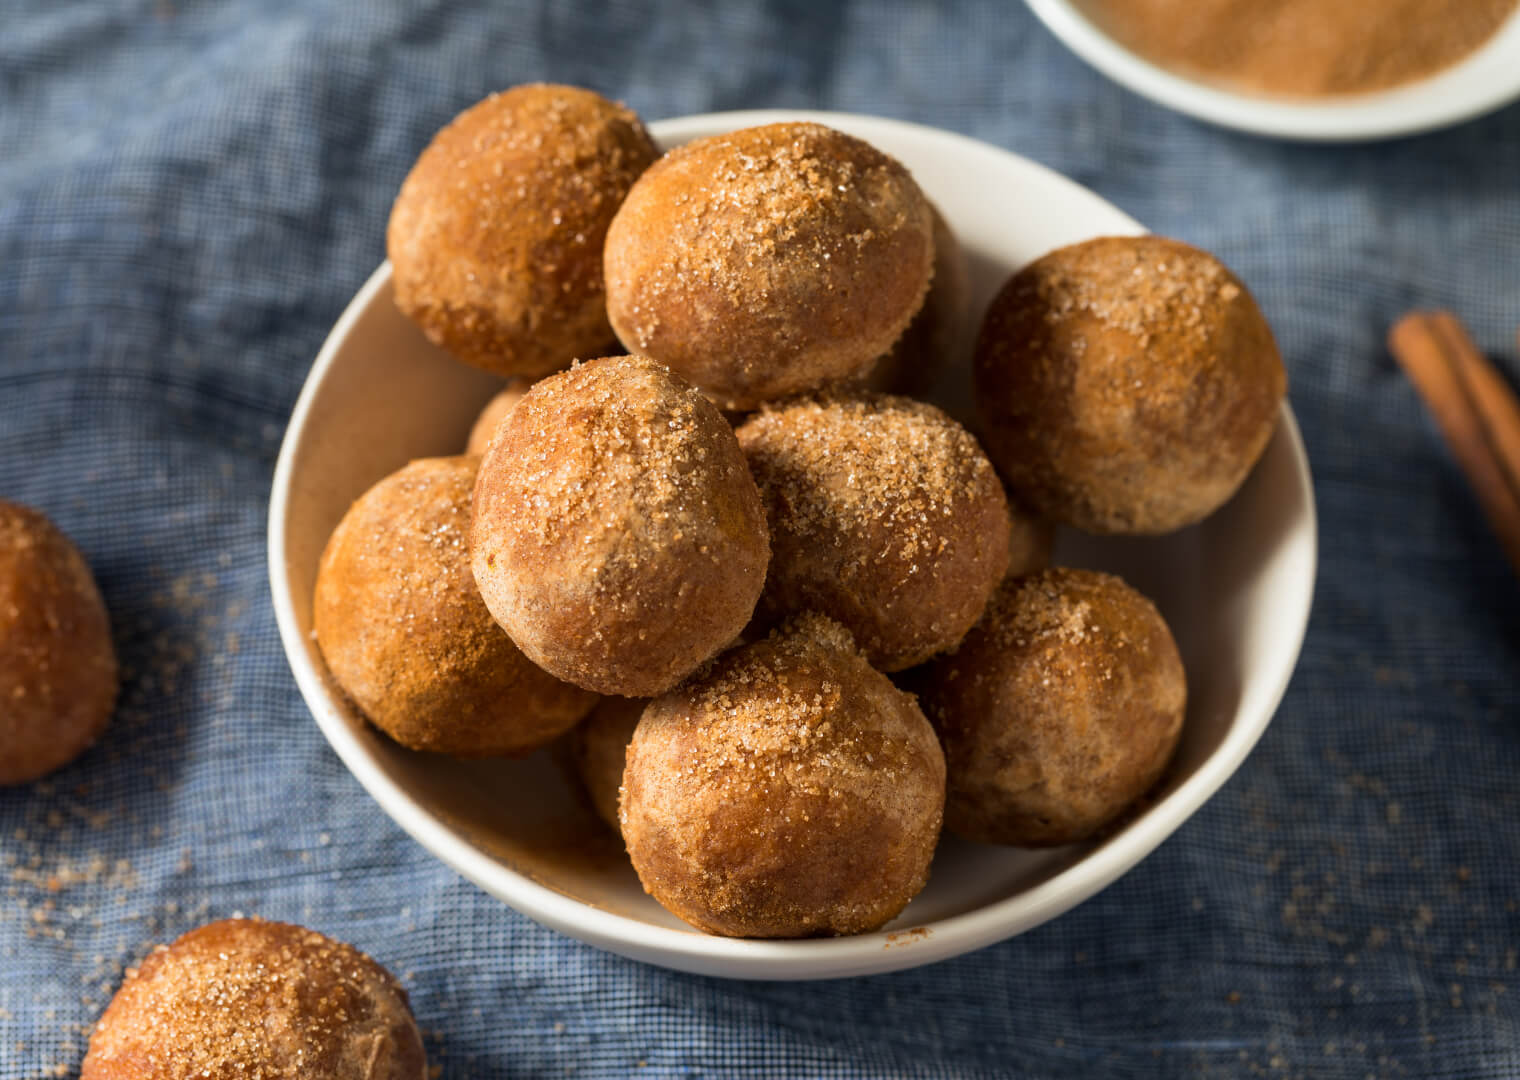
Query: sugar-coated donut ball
x=618, y=536
x=491, y=416
x=1126, y=384
x=600, y=745
x=405, y=633
x=769, y=260
x=58, y=674
x=496, y=238
x=885, y=515
x=790, y=790
x=1059, y=710
x=937, y=336
x=247, y=998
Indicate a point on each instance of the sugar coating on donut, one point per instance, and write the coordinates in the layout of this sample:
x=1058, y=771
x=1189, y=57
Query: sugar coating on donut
x=1059, y=710
x=404, y=631
x=885, y=514
x=788, y=790
x=495, y=239
x=937, y=340
x=617, y=534
x=600, y=746
x=1126, y=384
x=247, y=998
x=769, y=260
x=495, y=411
x=58, y=671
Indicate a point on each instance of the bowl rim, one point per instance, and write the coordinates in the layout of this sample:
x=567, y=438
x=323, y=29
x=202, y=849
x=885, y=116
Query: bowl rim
x=1441, y=99
x=778, y=959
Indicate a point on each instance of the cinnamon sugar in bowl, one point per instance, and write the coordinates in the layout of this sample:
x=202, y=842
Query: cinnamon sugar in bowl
x=1303, y=69
x=1235, y=590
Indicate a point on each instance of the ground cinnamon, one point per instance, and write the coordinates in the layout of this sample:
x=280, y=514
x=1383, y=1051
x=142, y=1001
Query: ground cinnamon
x=1302, y=47
x=1475, y=409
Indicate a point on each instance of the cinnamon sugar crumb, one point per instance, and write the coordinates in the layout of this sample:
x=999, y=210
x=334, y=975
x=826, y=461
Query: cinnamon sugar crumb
x=1136, y=293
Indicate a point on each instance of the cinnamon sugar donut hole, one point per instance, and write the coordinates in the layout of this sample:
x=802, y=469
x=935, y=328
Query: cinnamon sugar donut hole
x=789, y=790
x=617, y=534
x=58, y=673
x=246, y=998
x=769, y=260
x=406, y=635
x=936, y=337
x=1058, y=711
x=600, y=748
x=1127, y=384
x=491, y=416
x=495, y=239
x=884, y=514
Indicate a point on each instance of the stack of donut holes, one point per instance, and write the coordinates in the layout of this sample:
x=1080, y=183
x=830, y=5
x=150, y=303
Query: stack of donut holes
x=793, y=618
x=703, y=554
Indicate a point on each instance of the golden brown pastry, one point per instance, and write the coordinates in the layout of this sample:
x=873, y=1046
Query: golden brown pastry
x=495, y=240
x=244, y=998
x=1126, y=384
x=491, y=416
x=1031, y=539
x=789, y=790
x=58, y=674
x=1060, y=709
x=617, y=534
x=769, y=260
x=600, y=745
x=884, y=514
x=933, y=340
x=405, y=633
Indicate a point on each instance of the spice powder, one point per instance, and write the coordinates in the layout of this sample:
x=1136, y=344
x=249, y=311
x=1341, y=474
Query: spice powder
x=1311, y=48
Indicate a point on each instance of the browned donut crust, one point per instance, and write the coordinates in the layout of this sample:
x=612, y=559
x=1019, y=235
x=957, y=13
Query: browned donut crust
x=600, y=746
x=1031, y=539
x=491, y=416
x=405, y=633
x=58, y=674
x=617, y=535
x=790, y=790
x=769, y=260
x=1127, y=384
x=884, y=514
x=1060, y=709
x=243, y=998
x=933, y=340
x=496, y=238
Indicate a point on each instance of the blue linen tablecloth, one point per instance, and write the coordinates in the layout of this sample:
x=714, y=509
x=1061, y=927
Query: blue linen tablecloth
x=189, y=193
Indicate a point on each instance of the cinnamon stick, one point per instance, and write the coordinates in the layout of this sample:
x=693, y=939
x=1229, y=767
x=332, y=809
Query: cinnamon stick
x=1475, y=409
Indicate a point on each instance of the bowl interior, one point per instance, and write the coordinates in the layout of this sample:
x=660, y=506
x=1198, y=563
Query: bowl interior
x=1235, y=590
x=1482, y=81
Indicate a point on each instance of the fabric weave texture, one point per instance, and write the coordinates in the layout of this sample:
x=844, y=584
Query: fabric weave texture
x=191, y=192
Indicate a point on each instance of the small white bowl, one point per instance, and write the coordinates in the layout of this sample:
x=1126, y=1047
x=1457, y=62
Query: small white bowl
x=1236, y=590
x=1480, y=83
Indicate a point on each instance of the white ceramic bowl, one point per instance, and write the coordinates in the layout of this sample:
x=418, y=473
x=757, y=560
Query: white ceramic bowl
x=1236, y=590
x=1478, y=84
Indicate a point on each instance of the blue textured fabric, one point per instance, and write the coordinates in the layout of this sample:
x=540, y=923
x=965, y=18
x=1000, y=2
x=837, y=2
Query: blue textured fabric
x=189, y=193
